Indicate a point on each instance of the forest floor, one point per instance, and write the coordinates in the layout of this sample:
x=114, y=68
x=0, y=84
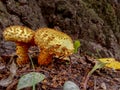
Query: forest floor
x=58, y=72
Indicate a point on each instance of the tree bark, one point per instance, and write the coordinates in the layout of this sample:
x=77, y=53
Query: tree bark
x=96, y=23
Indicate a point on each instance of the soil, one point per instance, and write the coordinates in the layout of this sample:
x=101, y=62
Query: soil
x=60, y=71
x=96, y=23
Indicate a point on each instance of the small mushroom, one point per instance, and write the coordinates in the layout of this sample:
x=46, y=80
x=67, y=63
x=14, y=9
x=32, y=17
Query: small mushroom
x=52, y=43
x=23, y=37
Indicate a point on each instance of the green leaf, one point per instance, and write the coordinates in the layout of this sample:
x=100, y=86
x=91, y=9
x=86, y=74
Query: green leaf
x=30, y=79
x=76, y=45
x=98, y=65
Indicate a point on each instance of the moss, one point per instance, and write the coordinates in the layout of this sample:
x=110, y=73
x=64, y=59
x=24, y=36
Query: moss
x=109, y=12
x=105, y=10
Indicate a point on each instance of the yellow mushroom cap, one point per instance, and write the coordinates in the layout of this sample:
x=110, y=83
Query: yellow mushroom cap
x=56, y=42
x=18, y=34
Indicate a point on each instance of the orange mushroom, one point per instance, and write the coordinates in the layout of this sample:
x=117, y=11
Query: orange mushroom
x=52, y=43
x=23, y=37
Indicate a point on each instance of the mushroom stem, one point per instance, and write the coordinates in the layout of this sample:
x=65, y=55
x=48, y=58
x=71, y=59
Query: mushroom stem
x=44, y=57
x=22, y=52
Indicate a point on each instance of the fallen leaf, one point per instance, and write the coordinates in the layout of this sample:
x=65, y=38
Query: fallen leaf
x=6, y=82
x=2, y=63
x=111, y=63
x=13, y=68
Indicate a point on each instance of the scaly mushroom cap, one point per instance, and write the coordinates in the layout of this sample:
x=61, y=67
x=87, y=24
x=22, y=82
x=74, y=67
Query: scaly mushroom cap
x=18, y=34
x=23, y=37
x=56, y=42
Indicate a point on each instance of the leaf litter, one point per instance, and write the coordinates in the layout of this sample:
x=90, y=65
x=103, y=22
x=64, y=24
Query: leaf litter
x=60, y=71
x=12, y=72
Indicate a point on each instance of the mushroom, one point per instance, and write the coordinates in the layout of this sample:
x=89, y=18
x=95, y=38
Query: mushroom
x=23, y=37
x=52, y=43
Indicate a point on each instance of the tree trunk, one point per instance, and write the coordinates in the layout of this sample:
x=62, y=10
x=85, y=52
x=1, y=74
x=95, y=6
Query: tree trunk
x=96, y=23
